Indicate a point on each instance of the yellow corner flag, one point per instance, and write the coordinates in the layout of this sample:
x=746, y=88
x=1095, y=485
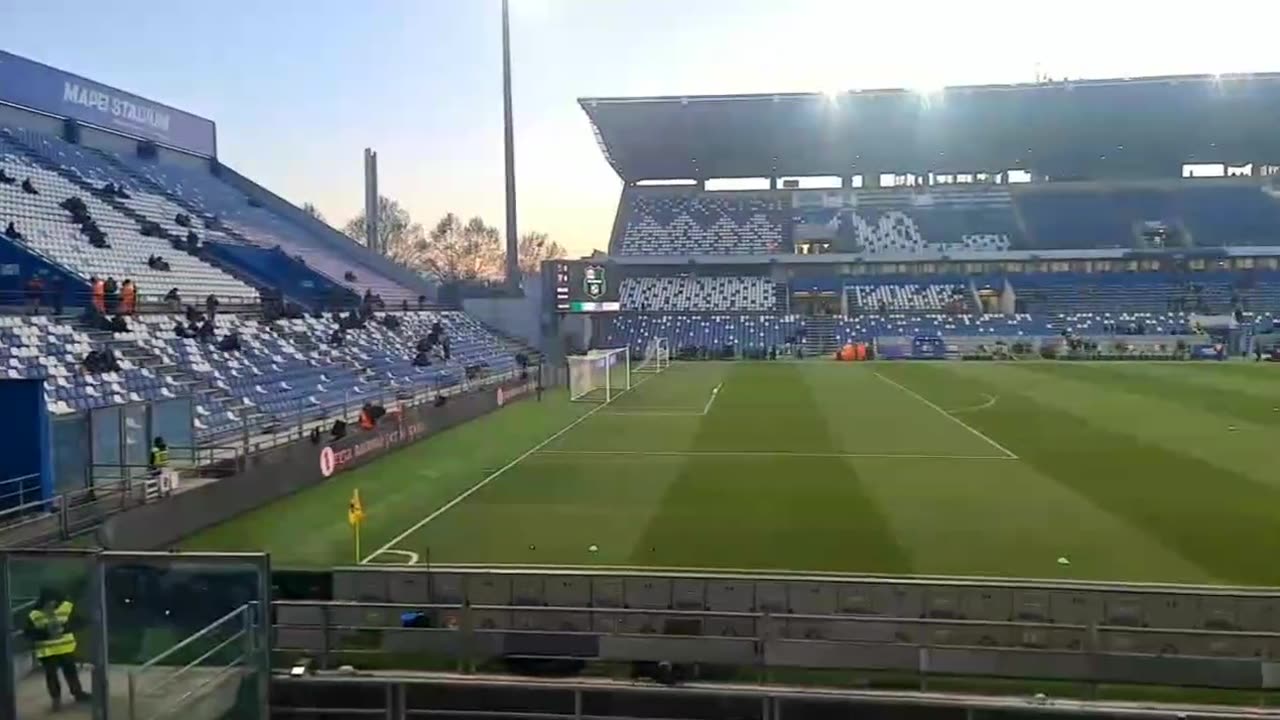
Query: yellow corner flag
x=355, y=518
x=355, y=509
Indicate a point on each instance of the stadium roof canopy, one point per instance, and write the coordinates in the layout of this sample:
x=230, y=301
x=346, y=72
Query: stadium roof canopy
x=1146, y=127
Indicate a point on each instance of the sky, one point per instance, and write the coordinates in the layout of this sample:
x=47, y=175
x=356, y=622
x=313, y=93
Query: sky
x=298, y=88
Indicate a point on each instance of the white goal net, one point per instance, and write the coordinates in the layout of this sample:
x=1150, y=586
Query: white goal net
x=600, y=375
x=657, y=356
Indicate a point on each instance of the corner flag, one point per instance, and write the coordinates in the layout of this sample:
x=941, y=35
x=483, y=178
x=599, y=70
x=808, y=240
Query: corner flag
x=355, y=518
x=355, y=509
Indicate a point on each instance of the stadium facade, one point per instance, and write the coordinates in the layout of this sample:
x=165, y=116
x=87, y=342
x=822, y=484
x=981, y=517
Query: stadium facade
x=1110, y=207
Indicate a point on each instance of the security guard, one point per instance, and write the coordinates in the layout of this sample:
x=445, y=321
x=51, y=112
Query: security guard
x=159, y=459
x=49, y=627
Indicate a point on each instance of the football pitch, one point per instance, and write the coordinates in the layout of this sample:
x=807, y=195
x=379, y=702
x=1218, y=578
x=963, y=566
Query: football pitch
x=1138, y=472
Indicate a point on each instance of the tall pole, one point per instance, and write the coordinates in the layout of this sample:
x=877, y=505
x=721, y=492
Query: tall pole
x=371, y=202
x=513, y=261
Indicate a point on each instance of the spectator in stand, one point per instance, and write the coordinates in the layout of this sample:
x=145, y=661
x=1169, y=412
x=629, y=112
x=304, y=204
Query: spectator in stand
x=336, y=338
x=118, y=325
x=211, y=305
x=206, y=332
x=422, y=301
x=404, y=305
x=193, y=242
x=230, y=342
x=28, y=188
x=444, y=346
x=422, y=359
x=11, y=232
x=128, y=297
x=349, y=276
x=6, y=179
x=181, y=330
x=101, y=361
x=172, y=300
x=56, y=292
x=111, y=293
x=98, y=291
x=35, y=293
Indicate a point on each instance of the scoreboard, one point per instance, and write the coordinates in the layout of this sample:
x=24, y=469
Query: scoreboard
x=584, y=286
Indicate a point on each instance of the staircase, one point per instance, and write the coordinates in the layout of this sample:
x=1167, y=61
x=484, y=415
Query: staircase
x=781, y=297
x=155, y=188
x=820, y=336
x=513, y=344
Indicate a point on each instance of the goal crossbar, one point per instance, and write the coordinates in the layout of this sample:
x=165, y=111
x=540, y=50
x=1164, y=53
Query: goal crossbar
x=657, y=356
x=600, y=375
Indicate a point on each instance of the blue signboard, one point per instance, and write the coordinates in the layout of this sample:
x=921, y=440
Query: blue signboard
x=40, y=87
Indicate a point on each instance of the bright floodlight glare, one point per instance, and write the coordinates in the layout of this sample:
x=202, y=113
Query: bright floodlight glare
x=832, y=94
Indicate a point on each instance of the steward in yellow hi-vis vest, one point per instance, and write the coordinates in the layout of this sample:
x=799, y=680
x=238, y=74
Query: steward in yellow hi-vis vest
x=159, y=458
x=50, y=628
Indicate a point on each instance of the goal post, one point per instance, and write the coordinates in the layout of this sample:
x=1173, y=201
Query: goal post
x=657, y=356
x=600, y=375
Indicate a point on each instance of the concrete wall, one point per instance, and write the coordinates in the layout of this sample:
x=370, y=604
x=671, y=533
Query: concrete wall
x=521, y=317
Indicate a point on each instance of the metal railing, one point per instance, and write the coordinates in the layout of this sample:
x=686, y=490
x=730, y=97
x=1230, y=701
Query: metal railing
x=470, y=634
x=66, y=514
x=14, y=491
x=287, y=428
x=187, y=672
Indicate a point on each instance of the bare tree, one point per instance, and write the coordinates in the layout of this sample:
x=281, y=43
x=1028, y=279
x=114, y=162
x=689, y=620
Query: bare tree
x=405, y=240
x=456, y=251
x=313, y=211
x=535, y=247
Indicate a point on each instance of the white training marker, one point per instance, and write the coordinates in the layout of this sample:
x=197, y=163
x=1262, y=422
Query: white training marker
x=1063, y=561
x=594, y=548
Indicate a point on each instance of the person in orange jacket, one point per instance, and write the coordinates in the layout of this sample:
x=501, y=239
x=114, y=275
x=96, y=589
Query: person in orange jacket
x=99, y=294
x=128, y=297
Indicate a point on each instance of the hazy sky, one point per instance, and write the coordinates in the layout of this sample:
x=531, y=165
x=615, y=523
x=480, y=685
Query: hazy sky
x=299, y=87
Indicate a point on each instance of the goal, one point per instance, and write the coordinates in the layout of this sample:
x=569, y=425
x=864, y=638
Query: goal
x=600, y=375
x=657, y=356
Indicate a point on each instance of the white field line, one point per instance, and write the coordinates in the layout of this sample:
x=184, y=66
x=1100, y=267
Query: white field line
x=491, y=477
x=949, y=416
x=715, y=392
x=412, y=556
x=991, y=400
x=657, y=411
x=769, y=453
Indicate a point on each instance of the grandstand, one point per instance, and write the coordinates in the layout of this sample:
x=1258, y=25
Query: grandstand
x=79, y=201
x=937, y=224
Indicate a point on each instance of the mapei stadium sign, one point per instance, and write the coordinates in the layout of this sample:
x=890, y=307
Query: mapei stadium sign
x=40, y=87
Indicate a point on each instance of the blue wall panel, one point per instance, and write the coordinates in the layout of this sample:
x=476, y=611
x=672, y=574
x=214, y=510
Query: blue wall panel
x=25, y=451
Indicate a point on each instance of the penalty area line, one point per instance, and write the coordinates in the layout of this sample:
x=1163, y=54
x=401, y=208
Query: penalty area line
x=949, y=416
x=491, y=477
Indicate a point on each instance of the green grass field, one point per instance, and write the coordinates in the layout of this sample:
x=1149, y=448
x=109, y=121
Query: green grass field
x=1133, y=471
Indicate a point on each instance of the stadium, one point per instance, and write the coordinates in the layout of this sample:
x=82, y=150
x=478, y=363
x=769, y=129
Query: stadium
x=884, y=401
